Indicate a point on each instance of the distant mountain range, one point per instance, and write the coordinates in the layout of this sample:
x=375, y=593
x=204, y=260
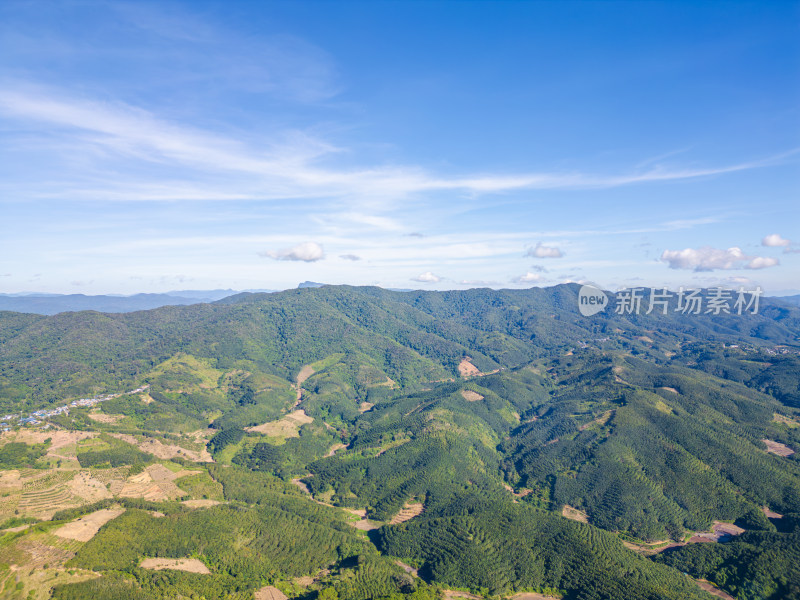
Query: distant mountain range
x=51, y=304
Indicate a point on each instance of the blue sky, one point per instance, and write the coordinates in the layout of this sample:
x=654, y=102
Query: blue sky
x=435, y=145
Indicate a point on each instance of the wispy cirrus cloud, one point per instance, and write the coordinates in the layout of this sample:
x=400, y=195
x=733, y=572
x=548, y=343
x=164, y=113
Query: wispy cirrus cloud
x=290, y=164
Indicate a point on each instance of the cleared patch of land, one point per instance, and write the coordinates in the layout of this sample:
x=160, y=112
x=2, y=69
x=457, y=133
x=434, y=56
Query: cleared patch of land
x=407, y=568
x=365, y=406
x=713, y=590
x=334, y=449
x=448, y=594
x=202, y=503
x=87, y=526
x=301, y=485
x=270, y=592
x=285, y=427
x=165, y=451
x=471, y=396
x=784, y=420
x=601, y=420
x=87, y=487
x=408, y=512
x=104, y=418
x=770, y=514
x=190, y=565
x=467, y=369
x=669, y=389
x=154, y=483
x=306, y=372
x=777, y=448
x=573, y=513
x=720, y=532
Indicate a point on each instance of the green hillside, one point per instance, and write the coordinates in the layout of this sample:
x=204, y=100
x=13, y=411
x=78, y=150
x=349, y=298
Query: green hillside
x=458, y=429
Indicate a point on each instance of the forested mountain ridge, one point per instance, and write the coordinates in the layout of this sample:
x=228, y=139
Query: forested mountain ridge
x=74, y=354
x=460, y=428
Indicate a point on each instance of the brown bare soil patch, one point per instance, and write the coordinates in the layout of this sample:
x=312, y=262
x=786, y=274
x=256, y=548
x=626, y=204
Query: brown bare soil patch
x=650, y=548
x=719, y=532
x=190, y=565
x=448, y=594
x=155, y=483
x=87, y=526
x=37, y=554
x=334, y=448
x=408, y=512
x=270, y=592
x=363, y=524
x=669, y=389
x=204, y=503
x=407, y=568
x=771, y=514
x=574, y=514
x=287, y=426
x=301, y=485
x=87, y=487
x=365, y=406
x=532, y=596
x=146, y=398
x=713, y=590
x=165, y=451
x=471, y=396
x=306, y=372
x=104, y=418
x=467, y=369
x=10, y=479
x=59, y=438
x=778, y=448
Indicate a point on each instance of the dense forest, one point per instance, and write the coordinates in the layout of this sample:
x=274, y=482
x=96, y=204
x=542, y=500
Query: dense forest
x=529, y=448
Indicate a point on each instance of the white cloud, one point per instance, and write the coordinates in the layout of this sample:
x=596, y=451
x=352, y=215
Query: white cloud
x=427, y=277
x=775, y=240
x=306, y=252
x=289, y=165
x=709, y=259
x=762, y=262
x=530, y=278
x=544, y=251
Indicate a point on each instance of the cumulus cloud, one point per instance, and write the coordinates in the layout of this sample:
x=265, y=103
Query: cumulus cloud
x=709, y=259
x=544, y=251
x=306, y=252
x=427, y=277
x=530, y=278
x=350, y=257
x=775, y=240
